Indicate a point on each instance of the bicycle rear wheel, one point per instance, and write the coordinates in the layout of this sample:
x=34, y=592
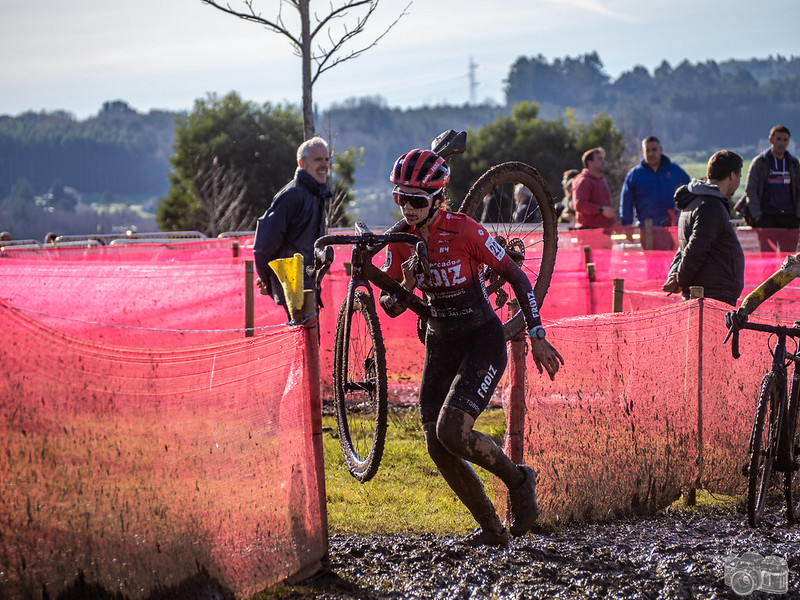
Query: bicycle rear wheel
x=762, y=446
x=359, y=386
x=533, y=245
x=791, y=479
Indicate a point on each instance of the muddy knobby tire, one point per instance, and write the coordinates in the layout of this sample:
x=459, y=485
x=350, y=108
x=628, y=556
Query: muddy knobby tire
x=360, y=386
x=538, y=241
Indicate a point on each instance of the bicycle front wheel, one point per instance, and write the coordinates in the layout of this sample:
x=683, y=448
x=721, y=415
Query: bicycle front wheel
x=791, y=478
x=762, y=446
x=359, y=386
x=533, y=245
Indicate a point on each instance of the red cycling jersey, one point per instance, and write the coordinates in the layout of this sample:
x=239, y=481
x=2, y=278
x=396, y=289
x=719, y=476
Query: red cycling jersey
x=458, y=247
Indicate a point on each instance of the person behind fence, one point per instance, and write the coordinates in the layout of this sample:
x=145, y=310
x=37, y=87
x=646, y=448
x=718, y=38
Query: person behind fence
x=465, y=347
x=565, y=210
x=497, y=207
x=649, y=188
x=773, y=193
x=709, y=252
x=295, y=219
x=591, y=195
x=527, y=209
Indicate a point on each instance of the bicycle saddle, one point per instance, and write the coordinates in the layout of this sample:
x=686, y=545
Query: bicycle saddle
x=449, y=143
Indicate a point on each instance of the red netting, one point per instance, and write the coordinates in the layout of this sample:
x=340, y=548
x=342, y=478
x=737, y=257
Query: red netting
x=147, y=436
x=648, y=404
x=142, y=462
x=165, y=299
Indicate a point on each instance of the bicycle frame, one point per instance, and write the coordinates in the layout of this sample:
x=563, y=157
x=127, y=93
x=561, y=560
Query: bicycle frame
x=781, y=449
x=365, y=245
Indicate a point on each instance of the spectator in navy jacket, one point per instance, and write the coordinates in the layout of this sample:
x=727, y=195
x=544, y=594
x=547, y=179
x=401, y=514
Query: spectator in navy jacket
x=295, y=219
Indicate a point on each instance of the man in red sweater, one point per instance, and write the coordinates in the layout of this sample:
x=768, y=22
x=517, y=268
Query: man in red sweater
x=590, y=194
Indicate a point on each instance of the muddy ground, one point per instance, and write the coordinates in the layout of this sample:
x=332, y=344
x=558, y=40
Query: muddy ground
x=674, y=555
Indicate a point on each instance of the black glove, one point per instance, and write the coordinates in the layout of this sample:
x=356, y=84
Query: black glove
x=735, y=318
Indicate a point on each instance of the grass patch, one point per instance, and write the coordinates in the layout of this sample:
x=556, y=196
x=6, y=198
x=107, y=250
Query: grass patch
x=407, y=495
x=706, y=502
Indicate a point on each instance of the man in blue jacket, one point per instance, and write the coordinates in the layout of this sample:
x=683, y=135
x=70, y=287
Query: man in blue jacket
x=649, y=189
x=295, y=219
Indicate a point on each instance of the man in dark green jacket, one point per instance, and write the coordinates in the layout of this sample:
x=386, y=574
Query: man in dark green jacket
x=709, y=252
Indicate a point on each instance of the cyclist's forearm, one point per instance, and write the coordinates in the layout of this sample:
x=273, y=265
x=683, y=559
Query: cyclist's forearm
x=524, y=293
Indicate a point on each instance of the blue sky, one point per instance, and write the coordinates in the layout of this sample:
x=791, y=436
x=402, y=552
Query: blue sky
x=164, y=54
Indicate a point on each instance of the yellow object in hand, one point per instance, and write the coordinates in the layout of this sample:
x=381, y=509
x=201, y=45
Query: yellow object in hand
x=290, y=274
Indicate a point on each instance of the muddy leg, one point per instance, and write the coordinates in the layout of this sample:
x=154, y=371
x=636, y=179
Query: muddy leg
x=454, y=429
x=463, y=480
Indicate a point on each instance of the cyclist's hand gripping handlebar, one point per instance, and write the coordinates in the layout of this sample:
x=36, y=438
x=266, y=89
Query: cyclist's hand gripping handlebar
x=323, y=258
x=734, y=321
x=422, y=265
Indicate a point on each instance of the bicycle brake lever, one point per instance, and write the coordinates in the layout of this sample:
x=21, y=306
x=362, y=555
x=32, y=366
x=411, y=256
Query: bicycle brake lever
x=733, y=331
x=323, y=258
x=422, y=258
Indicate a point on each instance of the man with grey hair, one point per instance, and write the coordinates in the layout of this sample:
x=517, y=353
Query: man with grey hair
x=295, y=219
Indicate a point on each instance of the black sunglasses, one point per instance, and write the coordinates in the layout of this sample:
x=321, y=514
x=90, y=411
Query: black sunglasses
x=415, y=200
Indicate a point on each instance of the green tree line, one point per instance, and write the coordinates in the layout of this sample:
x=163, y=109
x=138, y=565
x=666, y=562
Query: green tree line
x=553, y=111
x=690, y=107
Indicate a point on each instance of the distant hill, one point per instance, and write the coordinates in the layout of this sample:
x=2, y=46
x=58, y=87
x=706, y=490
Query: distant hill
x=689, y=107
x=119, y=151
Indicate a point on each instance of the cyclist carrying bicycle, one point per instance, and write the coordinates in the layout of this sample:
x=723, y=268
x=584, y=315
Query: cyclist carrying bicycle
x=465, y=349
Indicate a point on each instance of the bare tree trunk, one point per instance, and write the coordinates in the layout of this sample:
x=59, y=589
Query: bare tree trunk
x=332, y=32
x=305, y=52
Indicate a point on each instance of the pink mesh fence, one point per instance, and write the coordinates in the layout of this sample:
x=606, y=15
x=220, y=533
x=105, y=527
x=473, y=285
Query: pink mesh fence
x=146, y=440
x=648, y=404
x=145, y=430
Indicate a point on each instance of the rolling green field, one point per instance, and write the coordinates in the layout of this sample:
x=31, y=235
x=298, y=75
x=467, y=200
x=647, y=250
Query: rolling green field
x=697, y=170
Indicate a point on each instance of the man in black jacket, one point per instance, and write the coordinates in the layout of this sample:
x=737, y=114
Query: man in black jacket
x=709, y=252
x=295, y=219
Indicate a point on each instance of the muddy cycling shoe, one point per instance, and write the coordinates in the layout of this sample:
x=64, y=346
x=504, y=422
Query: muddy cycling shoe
x=485, y=537
x=524, y=510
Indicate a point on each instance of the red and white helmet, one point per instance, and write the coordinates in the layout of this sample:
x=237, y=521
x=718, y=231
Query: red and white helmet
x=420, y=168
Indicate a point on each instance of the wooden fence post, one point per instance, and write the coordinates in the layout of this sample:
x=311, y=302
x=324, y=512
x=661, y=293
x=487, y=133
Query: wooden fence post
x=619, y=284
x=514, y=408
x=249, y=300
x=698, y=293
x=648, y=234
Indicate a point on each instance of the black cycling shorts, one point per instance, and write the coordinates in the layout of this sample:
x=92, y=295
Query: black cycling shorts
x=462, y=372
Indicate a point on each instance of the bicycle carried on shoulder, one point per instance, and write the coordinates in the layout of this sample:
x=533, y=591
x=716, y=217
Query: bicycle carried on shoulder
x=359, y=373
x=775, y=440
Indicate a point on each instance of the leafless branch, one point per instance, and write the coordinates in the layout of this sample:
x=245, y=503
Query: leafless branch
x=326, y=58
x=221, y=192
x=277, y=25
x=340, y=12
